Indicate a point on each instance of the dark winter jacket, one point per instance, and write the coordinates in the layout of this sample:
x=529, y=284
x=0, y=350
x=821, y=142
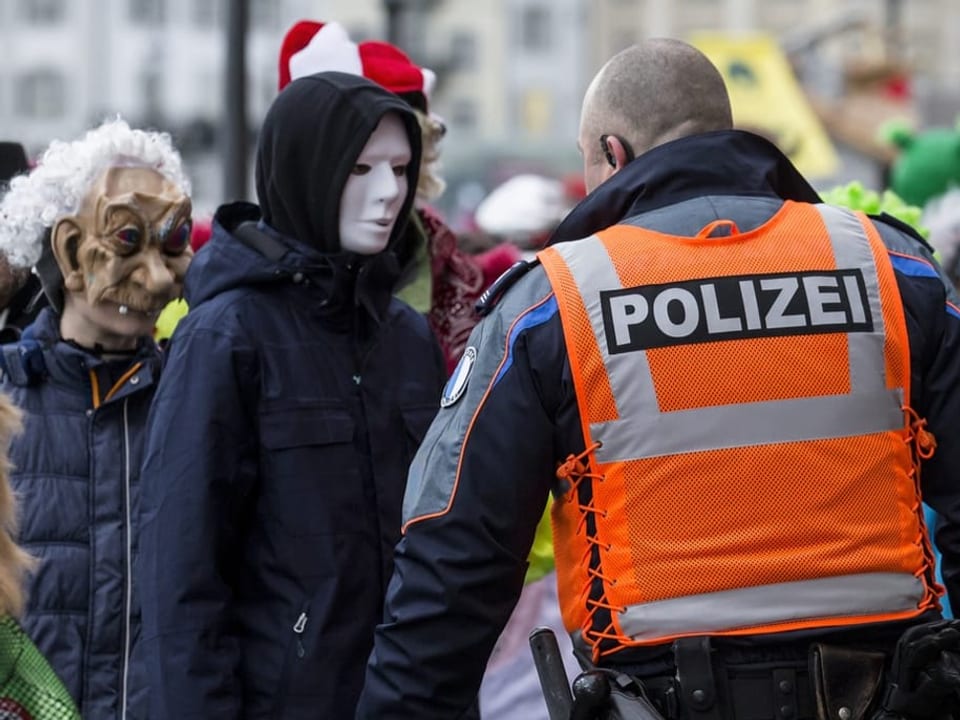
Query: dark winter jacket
x=479, y=483
x=296, y=392
x=76, y=475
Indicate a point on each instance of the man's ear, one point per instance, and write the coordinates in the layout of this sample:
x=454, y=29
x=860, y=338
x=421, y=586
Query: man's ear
x=64, y=241
x=619, y=153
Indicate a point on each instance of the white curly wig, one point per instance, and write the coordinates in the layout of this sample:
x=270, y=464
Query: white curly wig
x=64, y=175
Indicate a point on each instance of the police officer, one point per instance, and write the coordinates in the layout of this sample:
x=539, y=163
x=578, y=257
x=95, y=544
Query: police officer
x=730, y=389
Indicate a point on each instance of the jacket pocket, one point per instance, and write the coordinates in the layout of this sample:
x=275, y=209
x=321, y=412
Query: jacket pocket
x=309, y=470
x=305, y=426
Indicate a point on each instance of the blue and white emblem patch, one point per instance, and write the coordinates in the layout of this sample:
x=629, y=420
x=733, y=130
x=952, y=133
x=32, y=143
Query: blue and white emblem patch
x=459, y=378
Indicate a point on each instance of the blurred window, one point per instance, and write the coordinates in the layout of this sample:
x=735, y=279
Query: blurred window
x=40, y=94
x=150, y=85
x=535, y=28
x=205, y=13
x=205, y=101
x=264, y=15
x=463, y=114
x=538, y=111
x=464, y=50
x=42, y=12
x=147, y=12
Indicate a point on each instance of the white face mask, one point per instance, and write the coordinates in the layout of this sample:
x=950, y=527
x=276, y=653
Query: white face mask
x=376, y=189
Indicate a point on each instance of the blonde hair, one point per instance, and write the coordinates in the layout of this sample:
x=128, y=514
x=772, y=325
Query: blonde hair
x=430, y=185
x=14, y=562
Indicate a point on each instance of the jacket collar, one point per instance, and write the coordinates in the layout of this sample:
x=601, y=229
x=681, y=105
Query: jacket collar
x=348, y=281
x=341, y=283
x=727, y=162
x=42, y=352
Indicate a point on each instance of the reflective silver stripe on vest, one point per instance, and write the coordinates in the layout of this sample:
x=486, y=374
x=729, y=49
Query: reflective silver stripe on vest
x=867, y=348
x=642, y=431
x=833, y=597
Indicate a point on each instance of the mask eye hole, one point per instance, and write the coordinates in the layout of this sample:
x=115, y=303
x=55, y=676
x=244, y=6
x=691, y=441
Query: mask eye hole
x=177, y=240
x=129, y=237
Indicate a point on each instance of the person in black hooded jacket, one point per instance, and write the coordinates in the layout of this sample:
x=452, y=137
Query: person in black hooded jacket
x=296, y=393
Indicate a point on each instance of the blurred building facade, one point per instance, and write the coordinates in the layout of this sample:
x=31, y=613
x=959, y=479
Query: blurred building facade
x=923, y=35
x=511, y=72
x=68, y=63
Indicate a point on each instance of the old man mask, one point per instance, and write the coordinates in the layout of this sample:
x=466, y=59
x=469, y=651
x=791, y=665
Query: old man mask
x=123, y=255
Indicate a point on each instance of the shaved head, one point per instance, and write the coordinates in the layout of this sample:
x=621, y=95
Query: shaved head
x=653, y=92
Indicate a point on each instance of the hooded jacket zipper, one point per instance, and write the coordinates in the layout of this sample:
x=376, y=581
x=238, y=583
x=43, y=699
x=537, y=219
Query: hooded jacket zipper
x=282, y=695
x=128, y=599
x=298, y=628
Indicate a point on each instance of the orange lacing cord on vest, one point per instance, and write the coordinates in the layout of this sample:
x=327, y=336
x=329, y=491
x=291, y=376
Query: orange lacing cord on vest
x=922, y=446
x=575, y=470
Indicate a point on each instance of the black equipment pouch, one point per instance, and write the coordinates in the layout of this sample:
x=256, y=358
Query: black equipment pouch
x=924, y=680
x=693, y=659
x=628, y=701
x=845, y=681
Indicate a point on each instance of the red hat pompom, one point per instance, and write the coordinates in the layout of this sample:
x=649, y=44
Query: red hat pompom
x=311, y=47
x=389, y=66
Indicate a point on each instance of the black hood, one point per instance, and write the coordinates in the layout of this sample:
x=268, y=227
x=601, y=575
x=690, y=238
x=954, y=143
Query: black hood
x=311, y=137
x=726, y=162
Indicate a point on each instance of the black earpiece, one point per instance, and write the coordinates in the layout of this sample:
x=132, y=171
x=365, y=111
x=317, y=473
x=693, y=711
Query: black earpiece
x=607, y=153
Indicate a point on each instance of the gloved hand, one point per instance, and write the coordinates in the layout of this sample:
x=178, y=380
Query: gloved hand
x=924, y=681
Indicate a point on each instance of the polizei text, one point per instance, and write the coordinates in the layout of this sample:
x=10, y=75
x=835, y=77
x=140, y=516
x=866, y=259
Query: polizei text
x=736, y=307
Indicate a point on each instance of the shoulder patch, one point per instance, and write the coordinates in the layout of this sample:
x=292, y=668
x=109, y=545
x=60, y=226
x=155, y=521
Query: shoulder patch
x=459, y=378
x=492, y=294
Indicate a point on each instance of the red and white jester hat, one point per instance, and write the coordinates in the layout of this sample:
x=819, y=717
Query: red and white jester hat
x=310, y=47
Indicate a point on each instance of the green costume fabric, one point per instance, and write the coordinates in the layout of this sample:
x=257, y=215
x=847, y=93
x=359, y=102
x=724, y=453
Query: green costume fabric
x=856, y=197
x=29, y=689
x=419, y=293
x=928, y=164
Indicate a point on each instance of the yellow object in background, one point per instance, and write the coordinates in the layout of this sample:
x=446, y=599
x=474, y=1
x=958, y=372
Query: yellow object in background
x=541, y=554
x=167, y=321
x=767, y=98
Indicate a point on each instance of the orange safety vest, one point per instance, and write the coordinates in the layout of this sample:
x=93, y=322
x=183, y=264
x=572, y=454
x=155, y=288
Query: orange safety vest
x=752, y=462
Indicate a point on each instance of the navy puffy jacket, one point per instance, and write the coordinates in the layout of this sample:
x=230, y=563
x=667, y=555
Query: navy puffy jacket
x=76, y=475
